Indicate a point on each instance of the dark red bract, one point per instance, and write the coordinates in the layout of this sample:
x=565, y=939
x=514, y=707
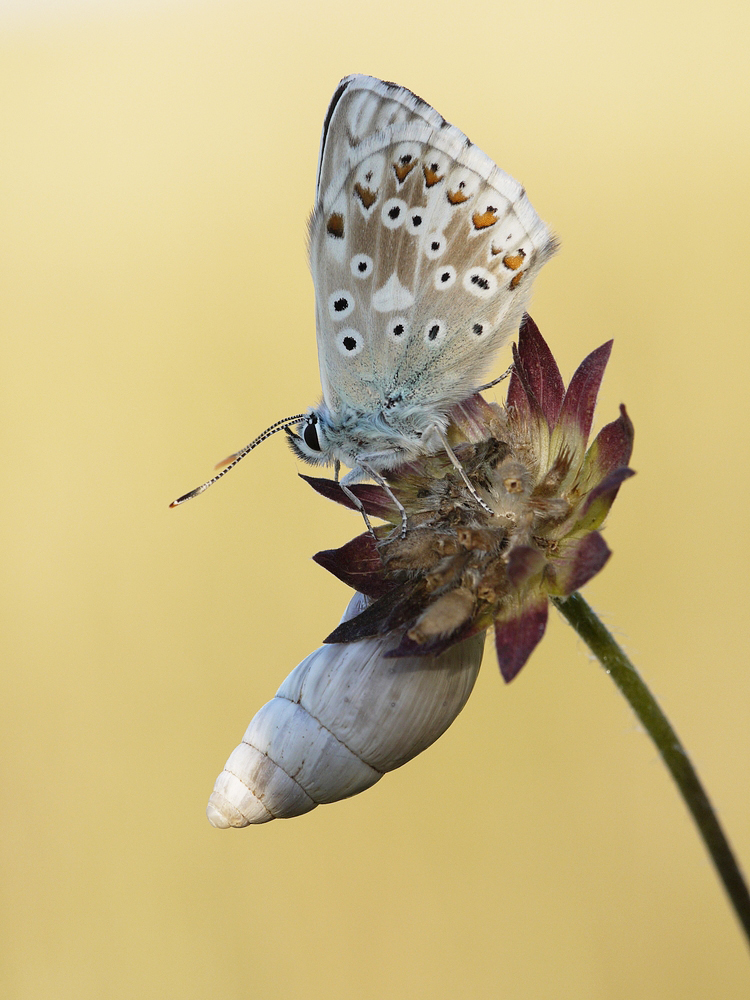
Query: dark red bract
x=460, y=569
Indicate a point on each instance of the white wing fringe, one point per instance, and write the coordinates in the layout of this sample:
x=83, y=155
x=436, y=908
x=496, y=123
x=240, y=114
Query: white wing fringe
x=340, y=720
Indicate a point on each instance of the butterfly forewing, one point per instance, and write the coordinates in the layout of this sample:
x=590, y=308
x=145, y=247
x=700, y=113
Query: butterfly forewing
x=362, y=107
x=422, y=250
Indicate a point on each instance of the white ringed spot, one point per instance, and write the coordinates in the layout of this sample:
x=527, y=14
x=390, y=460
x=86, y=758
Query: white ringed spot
x=340, y=304
x=434, y=331
x=444, y=277
x=480, y=282
x=434, y=245
x=398, y=329
x=349, y=342
x=361, y=265
x=393, y=213
x=415, y=220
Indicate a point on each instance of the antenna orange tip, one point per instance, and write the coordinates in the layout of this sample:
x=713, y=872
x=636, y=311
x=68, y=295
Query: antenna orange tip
x=225, y=461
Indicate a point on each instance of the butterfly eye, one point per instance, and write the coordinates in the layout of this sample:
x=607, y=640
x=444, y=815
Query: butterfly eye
x=310, y=434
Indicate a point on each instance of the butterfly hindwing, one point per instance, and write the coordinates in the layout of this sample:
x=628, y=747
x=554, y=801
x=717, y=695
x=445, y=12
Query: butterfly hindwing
x=423, y=253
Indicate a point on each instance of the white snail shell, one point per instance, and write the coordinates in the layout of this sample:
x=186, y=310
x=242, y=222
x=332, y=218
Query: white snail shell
x=340, y=720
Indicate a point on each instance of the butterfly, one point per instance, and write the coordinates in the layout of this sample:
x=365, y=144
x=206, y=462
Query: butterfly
x=423, y=253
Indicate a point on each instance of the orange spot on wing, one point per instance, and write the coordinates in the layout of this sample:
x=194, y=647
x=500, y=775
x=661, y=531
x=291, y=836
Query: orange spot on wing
x=483, y=220
x=335, y=225
x=513, y=260
x=431, y=176
x=365, y=195
x=457, y=197
x=404, y=169
x=515, y=280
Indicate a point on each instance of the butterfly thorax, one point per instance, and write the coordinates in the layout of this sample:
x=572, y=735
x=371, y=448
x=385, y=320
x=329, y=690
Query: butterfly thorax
x=383, y=439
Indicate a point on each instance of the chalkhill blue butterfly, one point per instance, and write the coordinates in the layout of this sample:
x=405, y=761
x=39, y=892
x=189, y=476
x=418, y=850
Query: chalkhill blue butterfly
x=423, y=253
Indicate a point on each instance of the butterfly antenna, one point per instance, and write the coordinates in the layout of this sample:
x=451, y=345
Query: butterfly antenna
x=500, y=378
x=238, y=455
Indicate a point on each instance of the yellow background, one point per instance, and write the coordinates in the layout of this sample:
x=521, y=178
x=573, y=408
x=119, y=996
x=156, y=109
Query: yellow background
x=157, y=168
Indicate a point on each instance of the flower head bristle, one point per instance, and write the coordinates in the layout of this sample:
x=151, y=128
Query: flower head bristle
x=460, y=569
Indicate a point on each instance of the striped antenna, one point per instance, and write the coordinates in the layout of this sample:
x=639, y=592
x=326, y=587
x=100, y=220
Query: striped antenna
x=500, y=378
x=232, y=460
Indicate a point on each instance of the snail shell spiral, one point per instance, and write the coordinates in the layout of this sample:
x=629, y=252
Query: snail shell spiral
x=342, y=718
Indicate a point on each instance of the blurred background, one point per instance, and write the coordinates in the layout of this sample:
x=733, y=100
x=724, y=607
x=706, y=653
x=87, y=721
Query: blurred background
x=157, y=171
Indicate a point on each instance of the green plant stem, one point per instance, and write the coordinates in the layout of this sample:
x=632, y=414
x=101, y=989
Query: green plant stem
x=626, y=677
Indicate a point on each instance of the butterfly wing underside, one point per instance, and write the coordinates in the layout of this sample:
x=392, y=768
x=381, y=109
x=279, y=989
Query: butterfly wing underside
x=422, y=252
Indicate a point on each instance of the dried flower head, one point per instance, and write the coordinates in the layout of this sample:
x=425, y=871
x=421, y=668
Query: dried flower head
x=459, y=568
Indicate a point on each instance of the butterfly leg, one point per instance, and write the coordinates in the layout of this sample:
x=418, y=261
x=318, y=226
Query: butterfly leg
x=358, y=504
x=373, y=474
x=352, y=496
x=457, y=465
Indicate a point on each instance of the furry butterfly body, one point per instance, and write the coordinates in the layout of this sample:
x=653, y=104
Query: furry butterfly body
x=422, y=253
